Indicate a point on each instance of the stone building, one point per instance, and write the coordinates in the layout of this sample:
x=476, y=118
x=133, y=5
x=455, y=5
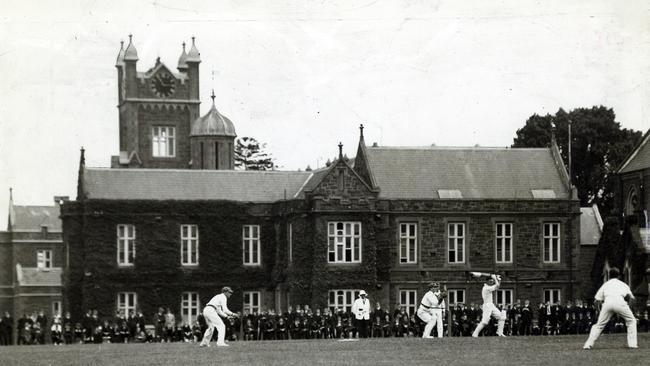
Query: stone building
x=387, y=221
x=31, y=261
x=627, y=244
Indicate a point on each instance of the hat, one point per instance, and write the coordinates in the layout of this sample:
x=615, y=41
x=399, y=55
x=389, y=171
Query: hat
x=433, y=284
x=226, y=289
x=362, y=293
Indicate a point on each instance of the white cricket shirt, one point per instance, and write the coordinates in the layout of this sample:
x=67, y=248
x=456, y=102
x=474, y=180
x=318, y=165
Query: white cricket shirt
x=221, y=303
x=613, y=291
x=487, y=293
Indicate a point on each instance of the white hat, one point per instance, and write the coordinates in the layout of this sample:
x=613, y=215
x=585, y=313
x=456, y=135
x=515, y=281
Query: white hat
x=362, y=293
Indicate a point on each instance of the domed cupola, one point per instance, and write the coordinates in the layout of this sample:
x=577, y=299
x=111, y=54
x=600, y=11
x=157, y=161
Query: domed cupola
x=213, y=124
x=212, y=138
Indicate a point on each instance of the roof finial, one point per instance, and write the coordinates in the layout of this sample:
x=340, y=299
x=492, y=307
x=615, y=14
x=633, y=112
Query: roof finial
x=11, y=194
x=212, y=96
x=193, y=40
x=361, y=129
x=340, y=151
x=130, y=38
x=553, y=128
x=183, y=46
x=122, y=44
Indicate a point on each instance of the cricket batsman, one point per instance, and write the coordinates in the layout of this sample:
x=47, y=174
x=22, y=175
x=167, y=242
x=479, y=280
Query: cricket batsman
x=430, y=310
x=489, y=309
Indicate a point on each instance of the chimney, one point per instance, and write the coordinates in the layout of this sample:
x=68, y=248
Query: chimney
x=59, y=200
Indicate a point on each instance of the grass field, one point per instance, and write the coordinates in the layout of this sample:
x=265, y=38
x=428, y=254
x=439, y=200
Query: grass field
x=555, y=350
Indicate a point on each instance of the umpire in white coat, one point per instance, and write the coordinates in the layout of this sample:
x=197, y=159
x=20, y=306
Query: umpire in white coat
x=614, y=294
x=361, y=311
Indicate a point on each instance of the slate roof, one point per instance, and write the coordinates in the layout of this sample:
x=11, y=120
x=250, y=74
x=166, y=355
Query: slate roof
x=591, y=225
x=32, y=218
x=640, y=157
x=35, y=276
x=172, y=184
x=478, y=173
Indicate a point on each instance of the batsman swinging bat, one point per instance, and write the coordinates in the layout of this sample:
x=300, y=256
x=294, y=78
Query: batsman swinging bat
x=483, y=274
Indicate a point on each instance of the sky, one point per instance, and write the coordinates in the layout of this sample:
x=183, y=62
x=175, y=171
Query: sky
x=301, y=76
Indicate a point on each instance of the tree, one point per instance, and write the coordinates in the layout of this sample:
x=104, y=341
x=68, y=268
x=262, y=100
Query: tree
x=598, y=148
x=250, y=155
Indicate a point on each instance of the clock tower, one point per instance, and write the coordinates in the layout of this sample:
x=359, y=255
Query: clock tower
x=156, y=109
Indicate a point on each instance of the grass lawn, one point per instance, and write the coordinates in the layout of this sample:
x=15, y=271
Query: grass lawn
x=556, y=350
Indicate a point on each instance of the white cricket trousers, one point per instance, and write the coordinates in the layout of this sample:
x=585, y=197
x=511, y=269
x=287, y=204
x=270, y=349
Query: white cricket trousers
x=213, y=320
x=606, y=313
x=432, y=317
x=489, y=310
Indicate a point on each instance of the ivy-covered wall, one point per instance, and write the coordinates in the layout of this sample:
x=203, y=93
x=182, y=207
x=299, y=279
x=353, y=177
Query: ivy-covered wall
x=93, y=278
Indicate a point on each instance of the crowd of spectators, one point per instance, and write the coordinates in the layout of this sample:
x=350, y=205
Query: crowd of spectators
x=303, y=323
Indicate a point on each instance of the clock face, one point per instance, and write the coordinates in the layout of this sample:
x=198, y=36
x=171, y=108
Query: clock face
x=163, y=85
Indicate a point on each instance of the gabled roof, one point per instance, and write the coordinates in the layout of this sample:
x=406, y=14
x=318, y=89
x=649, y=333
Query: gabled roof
x=478, y=173
x=172, y=184
x=639, y=159
x=591, y=225
x=33, y=218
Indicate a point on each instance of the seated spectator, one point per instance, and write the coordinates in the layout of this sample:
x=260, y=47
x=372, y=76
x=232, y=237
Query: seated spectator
x=56, y=331
x=79, y=334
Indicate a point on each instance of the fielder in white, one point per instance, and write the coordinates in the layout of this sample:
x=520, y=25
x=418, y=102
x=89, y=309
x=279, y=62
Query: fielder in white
x=216, y=309
x=489, y=309
x=614, y=295
x=430, y=310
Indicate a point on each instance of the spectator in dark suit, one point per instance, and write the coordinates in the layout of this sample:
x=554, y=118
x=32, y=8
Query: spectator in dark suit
x=6, y=329
x=526, y=324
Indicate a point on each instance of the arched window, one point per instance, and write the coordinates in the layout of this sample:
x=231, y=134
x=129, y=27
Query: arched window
x=627, y=273
x=632, y=202
x=606, y=269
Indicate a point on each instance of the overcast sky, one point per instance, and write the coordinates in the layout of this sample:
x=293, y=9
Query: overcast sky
x=301, y=76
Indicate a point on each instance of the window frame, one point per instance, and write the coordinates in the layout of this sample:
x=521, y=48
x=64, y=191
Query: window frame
x=455, y=238
x=346, y=294
x=162, y=141
x=557, y=239
x=250, y=244
x=189, y=245
x=128, y=246
x=406, y=241
x=290, y=243
x=551, y=292
x=248, y=302
x=501, y=292
x=126, y=306
x=336, y=242
x=44, y=259
x=410, y=307
x=500, y=242
x=454, y=292
x=190, y=307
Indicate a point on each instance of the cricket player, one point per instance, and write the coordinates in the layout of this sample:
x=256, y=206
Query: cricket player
x=430, y=310
x=216, y=309
x=361, y=311
x=614, y=295
x=489, y=309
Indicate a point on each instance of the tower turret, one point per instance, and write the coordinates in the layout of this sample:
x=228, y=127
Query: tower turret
x=212, y=141
x=193, y=60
